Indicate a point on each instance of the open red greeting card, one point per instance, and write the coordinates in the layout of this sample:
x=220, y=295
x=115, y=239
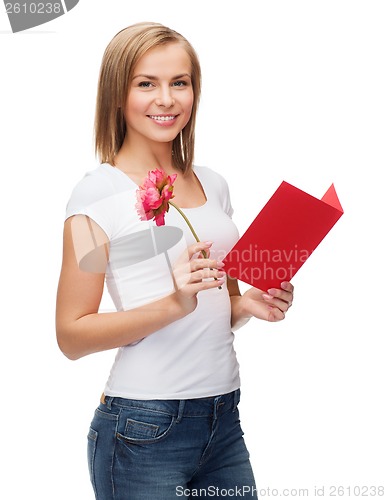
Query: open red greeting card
x=282, y=237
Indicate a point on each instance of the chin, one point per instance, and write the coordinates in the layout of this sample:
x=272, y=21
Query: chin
x=164, y=138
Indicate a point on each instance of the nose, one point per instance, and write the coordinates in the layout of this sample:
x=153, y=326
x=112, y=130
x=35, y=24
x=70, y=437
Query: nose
x=165, y=97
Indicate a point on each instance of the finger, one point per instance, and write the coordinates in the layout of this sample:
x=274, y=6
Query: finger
x=199, y=247
x=275, y=314
x=194, y=288
x=196, y=270
x=286, y=285
x=204, y=254
x=278, y=298
x=186, y=256
x=197, y=264
x=279, y=293
x=280, y=304
x=206, y=273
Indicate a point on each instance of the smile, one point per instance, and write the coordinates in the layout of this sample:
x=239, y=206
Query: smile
x=163, y=118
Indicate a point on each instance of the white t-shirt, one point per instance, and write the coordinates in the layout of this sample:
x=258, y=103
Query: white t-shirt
x=192, y=357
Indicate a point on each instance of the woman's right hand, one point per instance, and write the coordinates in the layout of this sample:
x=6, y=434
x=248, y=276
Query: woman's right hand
x=192, y=273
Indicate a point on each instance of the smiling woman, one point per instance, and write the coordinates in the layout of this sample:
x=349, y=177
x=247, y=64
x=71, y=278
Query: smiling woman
x=168, y=417
x=151, y=99
x=124, y=58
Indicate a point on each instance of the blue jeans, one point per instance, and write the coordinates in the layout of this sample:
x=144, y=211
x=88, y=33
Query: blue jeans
x=163, y=450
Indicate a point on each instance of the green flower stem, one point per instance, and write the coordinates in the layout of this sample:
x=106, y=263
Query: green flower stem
x=188, y=223
x=191, y=228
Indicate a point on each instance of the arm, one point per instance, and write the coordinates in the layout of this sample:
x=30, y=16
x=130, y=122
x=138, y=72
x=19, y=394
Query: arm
x=239, y=317
x=81, y=330
x=270, y=306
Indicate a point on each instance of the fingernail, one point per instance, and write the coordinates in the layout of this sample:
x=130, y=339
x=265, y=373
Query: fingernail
x=208, y=243
x=220, y=264
x=266, y=296
x=271, y=291
x=221, y=274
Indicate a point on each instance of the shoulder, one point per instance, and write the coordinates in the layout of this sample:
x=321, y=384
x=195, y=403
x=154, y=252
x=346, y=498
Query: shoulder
x=97, y=185
x=215, y=186
x=94, y=185
x=210, y=176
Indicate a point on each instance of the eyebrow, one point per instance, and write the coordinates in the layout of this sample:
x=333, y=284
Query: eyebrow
x=150, y=77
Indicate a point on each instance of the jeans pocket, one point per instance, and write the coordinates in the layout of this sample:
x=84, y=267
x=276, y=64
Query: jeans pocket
x=92, y=438
x=140, y=430
x=141, y=426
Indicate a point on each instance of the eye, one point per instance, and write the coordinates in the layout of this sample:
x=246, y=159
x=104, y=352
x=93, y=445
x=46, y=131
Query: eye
x=145, y=85
x=180, y=83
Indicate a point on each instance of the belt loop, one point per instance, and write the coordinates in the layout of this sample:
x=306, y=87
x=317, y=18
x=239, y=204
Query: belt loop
x=181, y=407
x=106, y=400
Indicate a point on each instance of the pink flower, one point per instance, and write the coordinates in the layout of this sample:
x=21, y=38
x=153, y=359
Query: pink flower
x=153, y=200
x=154, y=195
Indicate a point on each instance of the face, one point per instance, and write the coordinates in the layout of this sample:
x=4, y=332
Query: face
x=160, y=98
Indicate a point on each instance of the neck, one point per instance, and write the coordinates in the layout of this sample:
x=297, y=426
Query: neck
x=137, y=156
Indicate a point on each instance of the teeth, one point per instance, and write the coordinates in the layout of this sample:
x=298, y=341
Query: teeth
x=162, y=118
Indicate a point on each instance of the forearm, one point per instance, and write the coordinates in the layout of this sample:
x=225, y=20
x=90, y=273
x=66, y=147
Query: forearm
x=239, y=316
x=102, y=331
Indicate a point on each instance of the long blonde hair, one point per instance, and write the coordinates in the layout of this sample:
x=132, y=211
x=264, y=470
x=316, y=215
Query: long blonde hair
x=116, y=72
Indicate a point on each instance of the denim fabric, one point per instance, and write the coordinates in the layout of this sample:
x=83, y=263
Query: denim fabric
x=163, y=450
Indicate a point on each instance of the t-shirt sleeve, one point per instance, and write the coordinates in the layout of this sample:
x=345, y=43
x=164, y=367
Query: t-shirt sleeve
x=223, y=193
x=95, y=197
x=217, y=186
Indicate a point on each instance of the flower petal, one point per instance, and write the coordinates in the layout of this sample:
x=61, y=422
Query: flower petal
x=154, y=195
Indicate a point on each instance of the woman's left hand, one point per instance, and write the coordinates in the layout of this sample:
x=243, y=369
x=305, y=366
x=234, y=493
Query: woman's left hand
x=270, y=306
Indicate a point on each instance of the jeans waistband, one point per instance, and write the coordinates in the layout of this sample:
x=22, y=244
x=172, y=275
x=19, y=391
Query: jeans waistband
x=199, y=407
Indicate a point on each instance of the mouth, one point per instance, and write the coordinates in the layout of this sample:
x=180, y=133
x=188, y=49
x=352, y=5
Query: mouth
x=163, y=118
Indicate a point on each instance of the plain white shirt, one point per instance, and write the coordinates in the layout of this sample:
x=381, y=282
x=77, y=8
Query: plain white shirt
x=192, y=357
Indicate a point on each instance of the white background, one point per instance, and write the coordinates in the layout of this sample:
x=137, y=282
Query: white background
x=292, y=90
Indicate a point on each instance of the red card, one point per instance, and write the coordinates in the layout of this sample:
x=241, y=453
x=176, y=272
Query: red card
x=282, y=237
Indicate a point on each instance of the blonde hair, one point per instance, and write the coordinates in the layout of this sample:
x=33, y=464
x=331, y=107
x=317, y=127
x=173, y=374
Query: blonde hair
x=116, y=73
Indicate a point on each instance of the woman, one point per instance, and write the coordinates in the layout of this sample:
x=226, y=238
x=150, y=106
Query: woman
x=167, y=424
